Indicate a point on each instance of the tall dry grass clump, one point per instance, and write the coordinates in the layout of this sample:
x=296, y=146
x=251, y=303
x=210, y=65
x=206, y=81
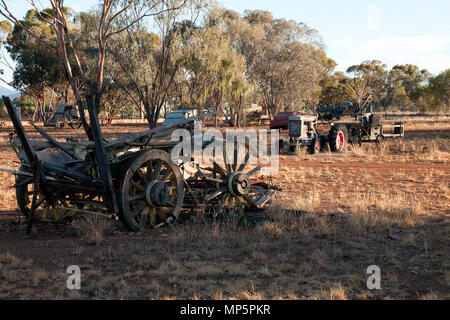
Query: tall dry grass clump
x=93, y=228
x=381, y=210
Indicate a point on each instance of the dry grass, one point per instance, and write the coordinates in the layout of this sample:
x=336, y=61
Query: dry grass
x=377, y=205
x=93, y=228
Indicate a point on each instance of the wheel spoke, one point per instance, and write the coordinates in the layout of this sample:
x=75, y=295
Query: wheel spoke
x=235, y=156
x=167, y=176
x=222, y=204
x=143, y=217
x=221, y=171
x=152, y=216
x=141, y=176
x=137, y=197
x=157, y=171
x=252, y=172
x=161, y=214
x=137, y=185
x=138, y=209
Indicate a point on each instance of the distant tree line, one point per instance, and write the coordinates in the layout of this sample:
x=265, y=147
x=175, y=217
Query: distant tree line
x=155, y=56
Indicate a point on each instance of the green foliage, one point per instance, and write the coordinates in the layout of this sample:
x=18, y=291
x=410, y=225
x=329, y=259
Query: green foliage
x=368, y=79
x=437, y=93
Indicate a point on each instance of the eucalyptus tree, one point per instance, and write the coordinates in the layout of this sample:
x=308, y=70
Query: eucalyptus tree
x=368, y=80
x=66, y=53
x=282, y=57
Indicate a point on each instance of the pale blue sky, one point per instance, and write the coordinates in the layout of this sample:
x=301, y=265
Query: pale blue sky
x=393, y=31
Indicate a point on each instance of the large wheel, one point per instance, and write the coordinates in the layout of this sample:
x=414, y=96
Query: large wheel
x=151, y=191
x=46, y=211
x=338, y=138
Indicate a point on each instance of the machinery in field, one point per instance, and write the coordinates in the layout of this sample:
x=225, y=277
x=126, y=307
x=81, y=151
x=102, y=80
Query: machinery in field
x=146, y=189
x=66, y=115
x=302, y=133
x=366, y=127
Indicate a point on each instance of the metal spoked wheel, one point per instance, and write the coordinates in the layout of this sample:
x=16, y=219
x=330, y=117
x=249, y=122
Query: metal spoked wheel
x=46, y=211
x=151, y=191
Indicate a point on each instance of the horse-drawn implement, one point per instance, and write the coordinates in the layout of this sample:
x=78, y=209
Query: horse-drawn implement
x=147, y=188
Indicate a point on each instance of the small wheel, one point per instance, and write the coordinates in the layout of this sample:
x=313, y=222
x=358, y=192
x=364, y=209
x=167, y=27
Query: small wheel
x=151, y=191
x=314, y=148
x=49, y=212
x=59, y=124
x=75, y=124
x=380, y=140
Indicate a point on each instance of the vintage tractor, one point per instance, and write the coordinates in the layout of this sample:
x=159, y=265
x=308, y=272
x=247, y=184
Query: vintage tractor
x=304, y=129
x=65, y=116
x=302, y=133
x=366, y=127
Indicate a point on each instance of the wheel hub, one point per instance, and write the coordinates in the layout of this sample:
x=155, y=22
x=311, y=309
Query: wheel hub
x=239, y=184
x=157, y=194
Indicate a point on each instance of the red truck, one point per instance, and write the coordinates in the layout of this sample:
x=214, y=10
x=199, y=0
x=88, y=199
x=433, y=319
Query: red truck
x=281, y=120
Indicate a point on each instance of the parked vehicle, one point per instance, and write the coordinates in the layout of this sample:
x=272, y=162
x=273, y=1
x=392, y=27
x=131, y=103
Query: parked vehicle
x=281, y=120
x=302, y=133
x=65, y=115
x=179, y=116
x=366, y=127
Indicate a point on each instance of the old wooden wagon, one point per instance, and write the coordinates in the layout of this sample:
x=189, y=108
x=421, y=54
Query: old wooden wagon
x=140, y=184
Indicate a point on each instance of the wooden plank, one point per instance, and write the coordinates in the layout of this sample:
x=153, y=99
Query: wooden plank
x=146, y=134
x=102, y=161
x=56, y=144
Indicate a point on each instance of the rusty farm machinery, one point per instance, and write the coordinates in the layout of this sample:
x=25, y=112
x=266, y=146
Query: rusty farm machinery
x=133, y=178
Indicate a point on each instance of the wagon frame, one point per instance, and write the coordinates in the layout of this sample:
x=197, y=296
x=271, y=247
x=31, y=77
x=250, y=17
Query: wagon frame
x=140, y=184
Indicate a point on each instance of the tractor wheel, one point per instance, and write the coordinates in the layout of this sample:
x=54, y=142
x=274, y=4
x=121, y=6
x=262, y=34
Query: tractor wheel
x=151, y=191
x=380, y=140
x=338, y=138
x=48, y=212
x=282, y=147
x=75, y=124
x=315, y=147
x=60, y=124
